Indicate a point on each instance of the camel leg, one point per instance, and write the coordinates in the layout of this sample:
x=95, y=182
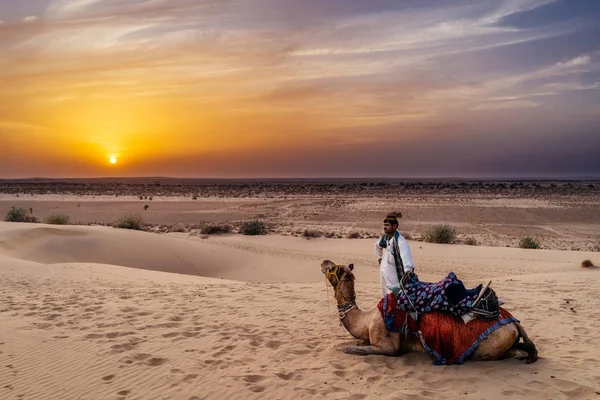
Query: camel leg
x=383, y=342
x=369, y=351
x=517, y=354
x=527, y=346
x=496, y=344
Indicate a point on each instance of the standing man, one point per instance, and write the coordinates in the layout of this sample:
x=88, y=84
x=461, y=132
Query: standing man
x=393, y=255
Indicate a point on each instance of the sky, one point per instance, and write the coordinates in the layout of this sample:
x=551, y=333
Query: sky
x=311, y=88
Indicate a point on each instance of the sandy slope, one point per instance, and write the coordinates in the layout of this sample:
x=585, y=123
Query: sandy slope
x=73, y=327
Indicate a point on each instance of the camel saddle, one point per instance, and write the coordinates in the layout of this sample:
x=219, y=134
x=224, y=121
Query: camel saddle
x=448, y=296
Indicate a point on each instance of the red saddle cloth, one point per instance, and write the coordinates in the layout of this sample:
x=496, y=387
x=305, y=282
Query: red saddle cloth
x=444, y=336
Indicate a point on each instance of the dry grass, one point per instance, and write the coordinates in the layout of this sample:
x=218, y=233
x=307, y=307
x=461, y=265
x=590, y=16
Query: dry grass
x=529, y=243
x=131, y=221
x=587, y=264
x=19, y=215
x=311, y=233
x=471, y=241
x=440, y=234
x=57, y=219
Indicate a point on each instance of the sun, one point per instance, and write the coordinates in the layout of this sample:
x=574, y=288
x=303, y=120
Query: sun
x=112, y=160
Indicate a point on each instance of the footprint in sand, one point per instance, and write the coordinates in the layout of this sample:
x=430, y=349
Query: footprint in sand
x=156, y=361
x=253, y=378
x=288, y=376
x=108, y=378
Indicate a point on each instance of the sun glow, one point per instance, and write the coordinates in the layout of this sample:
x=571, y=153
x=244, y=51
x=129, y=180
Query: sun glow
x=112, y=160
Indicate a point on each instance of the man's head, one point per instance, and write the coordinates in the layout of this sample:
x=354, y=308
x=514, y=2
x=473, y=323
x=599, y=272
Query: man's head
x=390, y=224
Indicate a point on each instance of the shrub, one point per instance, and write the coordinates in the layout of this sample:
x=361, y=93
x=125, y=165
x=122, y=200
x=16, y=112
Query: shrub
x=58, y=219
x=407, y=236
x=440, y=234
x=178, y=228
x=587, y=264
x=132, y=221
x=529, y=243
x=310, y=233
x=146, y=207
x=253, y=227
x=211, y=229
x=354, y=235
x=471, y=241
x=398, y=214
x=330, y=235
x=19, y=215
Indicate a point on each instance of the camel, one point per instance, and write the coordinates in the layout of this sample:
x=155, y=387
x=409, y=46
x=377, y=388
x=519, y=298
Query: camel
x=369, y=327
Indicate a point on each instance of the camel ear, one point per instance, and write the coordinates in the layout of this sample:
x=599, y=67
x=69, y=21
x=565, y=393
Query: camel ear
x=351, y=266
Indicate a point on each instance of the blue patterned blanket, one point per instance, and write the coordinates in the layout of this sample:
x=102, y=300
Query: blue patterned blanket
x=448, y=295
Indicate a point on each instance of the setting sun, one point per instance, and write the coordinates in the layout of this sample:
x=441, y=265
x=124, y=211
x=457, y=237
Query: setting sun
x=113, y=160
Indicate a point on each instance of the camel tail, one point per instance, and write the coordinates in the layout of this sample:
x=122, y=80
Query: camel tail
x=527, y=346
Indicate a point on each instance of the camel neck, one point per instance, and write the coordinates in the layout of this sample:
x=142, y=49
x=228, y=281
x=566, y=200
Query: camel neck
x=356, y=323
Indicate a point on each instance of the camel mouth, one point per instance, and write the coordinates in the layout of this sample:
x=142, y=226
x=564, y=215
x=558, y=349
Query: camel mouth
x=325, y=265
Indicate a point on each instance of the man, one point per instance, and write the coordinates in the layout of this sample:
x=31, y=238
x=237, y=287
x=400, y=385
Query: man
x=393, y=255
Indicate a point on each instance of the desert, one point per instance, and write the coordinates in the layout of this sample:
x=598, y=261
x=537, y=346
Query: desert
x=92, y=311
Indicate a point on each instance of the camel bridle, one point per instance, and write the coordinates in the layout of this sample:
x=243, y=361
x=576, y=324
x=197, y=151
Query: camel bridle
x=350, y=302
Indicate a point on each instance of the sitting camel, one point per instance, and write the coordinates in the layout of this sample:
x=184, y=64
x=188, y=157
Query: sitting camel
x=369, y=326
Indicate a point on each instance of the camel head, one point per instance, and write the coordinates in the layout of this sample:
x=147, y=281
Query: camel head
x=341, y=278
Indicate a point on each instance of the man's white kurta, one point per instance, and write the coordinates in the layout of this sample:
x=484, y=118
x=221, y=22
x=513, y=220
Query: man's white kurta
x=387, y=267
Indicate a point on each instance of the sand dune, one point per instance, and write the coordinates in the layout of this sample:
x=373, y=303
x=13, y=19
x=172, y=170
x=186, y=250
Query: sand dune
x=75, y=327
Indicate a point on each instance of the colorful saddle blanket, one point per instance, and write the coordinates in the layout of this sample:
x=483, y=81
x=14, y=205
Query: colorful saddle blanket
x=448, y=295
x=446, y=337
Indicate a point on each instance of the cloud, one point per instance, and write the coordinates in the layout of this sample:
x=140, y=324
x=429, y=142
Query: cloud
x=506, y=104
x=31, y=18
x=341, y=71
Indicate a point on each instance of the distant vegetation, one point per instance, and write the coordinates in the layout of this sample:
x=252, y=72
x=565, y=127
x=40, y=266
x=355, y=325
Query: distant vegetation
x=529, y=243
x=254, y=227
x=440, y=234
x=212, y=229
x=131, y=221
x=178, y=228
x=587, y=264
x=354, y=235
x=311, y=233
x=19, y=215
x=471, y=241
x=58, y=219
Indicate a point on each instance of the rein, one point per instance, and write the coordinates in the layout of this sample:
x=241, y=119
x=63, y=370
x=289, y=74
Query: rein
x=343, y=309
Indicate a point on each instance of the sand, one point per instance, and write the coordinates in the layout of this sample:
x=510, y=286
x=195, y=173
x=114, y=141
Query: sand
x=90, y=312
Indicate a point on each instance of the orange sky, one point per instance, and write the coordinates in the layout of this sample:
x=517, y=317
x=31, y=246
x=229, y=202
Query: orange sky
x=244, y=88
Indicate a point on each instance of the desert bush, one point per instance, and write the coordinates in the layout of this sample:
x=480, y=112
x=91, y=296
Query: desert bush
x=212, y=229
x=131, y=221
x=254, y=227
x=58, y=219
x=178, y=228
x=529, y=243
x=311, y=233
x=440, y=234
x=587, y=264
x=398, y=214
x=354, y=235
x=19, y=215
x=407, y=236
x=330, y=235
x=471, y=241
x=146, y=207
